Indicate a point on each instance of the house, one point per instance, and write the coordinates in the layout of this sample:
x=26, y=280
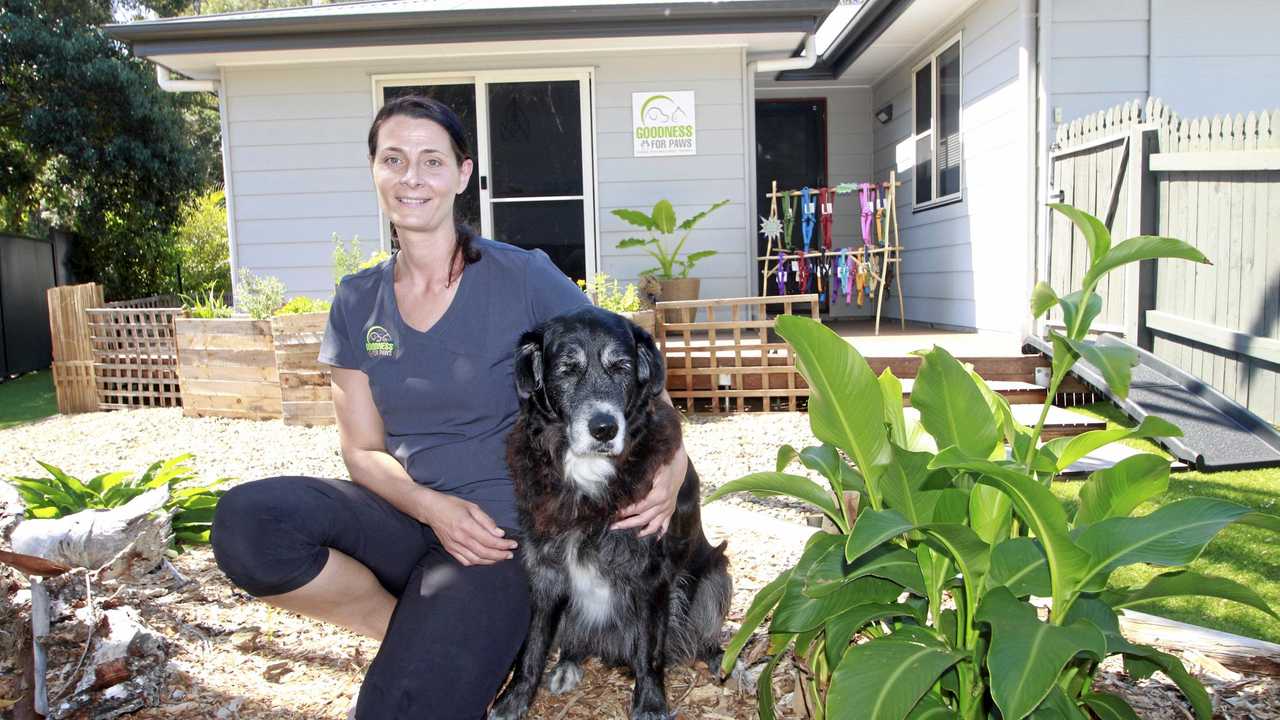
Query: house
x=960, y=98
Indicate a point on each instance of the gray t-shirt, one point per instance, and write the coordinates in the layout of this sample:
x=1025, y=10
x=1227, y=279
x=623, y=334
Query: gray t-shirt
x=447, y=396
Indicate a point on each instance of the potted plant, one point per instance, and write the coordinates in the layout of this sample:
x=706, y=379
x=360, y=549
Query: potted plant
x=605, y=292
x=672, y=272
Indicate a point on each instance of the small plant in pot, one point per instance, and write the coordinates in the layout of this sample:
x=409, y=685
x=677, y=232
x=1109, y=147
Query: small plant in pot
x=672, y=271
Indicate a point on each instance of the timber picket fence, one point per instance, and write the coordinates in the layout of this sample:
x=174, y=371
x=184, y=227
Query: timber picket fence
x=1213, y=182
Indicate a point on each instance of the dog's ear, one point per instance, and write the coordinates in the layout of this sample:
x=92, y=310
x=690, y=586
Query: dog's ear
x=650, y=370
x=528, y=368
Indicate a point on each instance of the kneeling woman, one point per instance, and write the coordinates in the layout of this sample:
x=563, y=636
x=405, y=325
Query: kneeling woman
x=418, y=549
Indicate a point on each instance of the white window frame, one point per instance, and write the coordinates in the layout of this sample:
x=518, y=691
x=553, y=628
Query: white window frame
x=587, y=109
x=931, y=60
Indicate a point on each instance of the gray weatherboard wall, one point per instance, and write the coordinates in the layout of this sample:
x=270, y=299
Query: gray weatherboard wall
x=1200, y=58
x=966, y=264
x=299, y=168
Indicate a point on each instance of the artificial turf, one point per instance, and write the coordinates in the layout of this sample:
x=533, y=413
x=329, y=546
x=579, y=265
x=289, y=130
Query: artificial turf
x=1248, y=555
x=26, y=398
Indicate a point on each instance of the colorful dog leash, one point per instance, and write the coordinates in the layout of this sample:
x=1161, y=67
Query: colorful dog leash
x=781, y=274
x=788, y=220
x=827, y=210
x=868, y=212
x=807, y=218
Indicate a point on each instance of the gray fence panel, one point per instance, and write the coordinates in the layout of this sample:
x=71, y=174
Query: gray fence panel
x=26, y=272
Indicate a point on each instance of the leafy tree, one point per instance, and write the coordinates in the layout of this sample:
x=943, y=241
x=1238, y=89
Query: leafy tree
x=88, y=142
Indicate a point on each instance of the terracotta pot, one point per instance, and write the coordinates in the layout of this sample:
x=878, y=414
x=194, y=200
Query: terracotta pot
x=678, y=289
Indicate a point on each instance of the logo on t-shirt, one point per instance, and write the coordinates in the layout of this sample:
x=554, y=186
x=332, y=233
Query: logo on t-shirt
x=378, y=342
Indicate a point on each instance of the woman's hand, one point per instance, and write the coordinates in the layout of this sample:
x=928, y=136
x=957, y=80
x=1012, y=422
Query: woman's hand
x=653, y=513
x=466, y=531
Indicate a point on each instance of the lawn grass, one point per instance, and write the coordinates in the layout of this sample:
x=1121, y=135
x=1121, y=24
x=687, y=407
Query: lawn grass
x=26, y=398
x=1250, y=556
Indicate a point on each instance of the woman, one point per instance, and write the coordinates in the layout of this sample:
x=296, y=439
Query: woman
x=419, y=550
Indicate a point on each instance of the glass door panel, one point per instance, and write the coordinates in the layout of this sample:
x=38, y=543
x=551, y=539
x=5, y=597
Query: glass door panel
x=536, y=168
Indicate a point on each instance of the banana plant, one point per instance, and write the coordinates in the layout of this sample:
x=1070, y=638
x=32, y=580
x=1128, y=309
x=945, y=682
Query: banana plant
x=662, y=221
x=935, y=567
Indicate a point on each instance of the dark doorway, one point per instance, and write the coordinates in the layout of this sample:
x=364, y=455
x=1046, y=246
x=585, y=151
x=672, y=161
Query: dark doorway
x=791, y=147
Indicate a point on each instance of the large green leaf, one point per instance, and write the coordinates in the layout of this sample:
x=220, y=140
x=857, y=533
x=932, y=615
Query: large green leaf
x=931, y=708
x=902, y=480
x=1173, y=535
x=1069, y=564
x=1027, y=655
x=894, y=417
x=1070, y=449
x=951, y=406
x=787, y=454
x=1109, y=707
x=1186, y=582
x=1115, y=362
x=873, y=528
x=1078, y=312
x=1093, y=230
x=1020, y=565
x=825, y=459
x=1057, y=706
x=629, y=243
x=840, y=629
x=797, y=612
x=761, y=605
x=776, y=483
x=885, y=678
x=1064, y=356
x=635, y=217
x=990, y=513
x=664, y=217
x=890, y=562
x=1042, y=298
x=690, y=222
x=1143, y=247
x=764, y=688
x=1141, y=661
x=1117, y=490
x=846, y=407
x=970, y=553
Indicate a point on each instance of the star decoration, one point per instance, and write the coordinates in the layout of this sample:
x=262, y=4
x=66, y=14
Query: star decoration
x=771, y=227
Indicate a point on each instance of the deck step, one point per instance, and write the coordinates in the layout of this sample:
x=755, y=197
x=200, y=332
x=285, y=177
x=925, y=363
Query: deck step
x=1012, y=390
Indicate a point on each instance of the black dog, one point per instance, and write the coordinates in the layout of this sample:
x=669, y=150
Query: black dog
x=593, y=429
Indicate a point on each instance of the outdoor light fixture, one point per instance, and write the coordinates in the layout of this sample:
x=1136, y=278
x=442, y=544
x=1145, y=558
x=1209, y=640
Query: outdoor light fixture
x=885, y=114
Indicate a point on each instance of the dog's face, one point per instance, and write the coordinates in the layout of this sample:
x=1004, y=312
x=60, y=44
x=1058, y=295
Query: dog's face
x=589, y=369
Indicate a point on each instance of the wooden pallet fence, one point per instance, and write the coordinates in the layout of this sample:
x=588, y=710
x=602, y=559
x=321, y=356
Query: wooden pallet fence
x=72, y=346
x=736, y=363
x=305, y=394
x=134, y=357
x=227, y=368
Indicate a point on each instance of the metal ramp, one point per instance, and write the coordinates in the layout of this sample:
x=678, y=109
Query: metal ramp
x=1218, y=433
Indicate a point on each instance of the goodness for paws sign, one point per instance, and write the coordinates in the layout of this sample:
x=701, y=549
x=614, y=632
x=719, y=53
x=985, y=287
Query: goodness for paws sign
x=663, y=123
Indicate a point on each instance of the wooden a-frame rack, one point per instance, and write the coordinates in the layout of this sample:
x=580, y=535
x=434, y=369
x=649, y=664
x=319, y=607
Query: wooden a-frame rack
x=880, y=259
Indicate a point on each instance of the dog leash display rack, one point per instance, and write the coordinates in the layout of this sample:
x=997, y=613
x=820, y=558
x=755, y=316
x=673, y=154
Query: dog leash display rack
x=868, y=267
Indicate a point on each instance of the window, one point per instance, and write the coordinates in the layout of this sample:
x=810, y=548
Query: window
x=937, y=126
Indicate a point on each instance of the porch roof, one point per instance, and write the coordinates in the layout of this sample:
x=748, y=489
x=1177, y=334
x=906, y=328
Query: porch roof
x=375, y=23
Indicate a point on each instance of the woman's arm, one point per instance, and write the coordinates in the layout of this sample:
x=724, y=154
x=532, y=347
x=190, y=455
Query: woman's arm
x=466, y=531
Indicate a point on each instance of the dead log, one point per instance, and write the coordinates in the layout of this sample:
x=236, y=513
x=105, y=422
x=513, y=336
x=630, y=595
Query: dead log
x=40, y=611
x=124, y=672
x=93, y=538
x=11, y=511
x=1235, y=652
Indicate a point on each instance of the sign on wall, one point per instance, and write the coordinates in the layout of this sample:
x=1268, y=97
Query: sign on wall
x=663, y=123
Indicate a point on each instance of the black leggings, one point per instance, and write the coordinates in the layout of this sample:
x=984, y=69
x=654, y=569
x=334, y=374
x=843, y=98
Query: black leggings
x=455, y=630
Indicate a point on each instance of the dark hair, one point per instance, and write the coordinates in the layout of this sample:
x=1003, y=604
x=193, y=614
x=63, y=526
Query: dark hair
x=421, y=107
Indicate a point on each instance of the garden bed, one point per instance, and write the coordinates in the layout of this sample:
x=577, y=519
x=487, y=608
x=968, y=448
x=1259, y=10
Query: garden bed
x=306, y=398
x=227, y=368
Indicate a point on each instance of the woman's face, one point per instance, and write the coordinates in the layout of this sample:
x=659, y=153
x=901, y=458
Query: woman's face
x=417, y=174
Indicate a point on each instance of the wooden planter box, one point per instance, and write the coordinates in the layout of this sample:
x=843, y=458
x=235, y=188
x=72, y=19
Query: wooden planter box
x=304, y=382
x=644, y=318
x=227, y=368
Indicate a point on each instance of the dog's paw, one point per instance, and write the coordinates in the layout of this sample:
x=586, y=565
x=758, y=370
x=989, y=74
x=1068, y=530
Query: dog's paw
x=565, y=676
x=653, y=715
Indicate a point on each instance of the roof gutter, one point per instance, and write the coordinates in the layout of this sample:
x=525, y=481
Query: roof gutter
x=164, y=78
x=804, y=62
x=872, y=20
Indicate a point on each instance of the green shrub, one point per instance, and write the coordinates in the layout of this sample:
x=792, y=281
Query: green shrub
x=603, y=291
x=346, y=260
x=935, y=563
x=61, y=494
x=303, y=304
x=203, y=252
x=259, y=297
x=207, y=306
